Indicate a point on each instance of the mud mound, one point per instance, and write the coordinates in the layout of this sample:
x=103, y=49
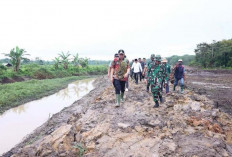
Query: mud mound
x=185, y=125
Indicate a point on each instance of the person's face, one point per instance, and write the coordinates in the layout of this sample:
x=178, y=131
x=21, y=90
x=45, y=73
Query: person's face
x=164, y=63
x=156, y=62
x=180, y=62
x=144, y=60
x=121, y=56
x=139, y=60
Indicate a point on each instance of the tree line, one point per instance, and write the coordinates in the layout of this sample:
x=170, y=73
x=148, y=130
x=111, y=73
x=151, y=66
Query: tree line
x=17, y=57
x=215, y=54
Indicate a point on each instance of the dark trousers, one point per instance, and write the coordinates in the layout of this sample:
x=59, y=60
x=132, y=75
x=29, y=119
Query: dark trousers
x=132, y=74
x=127, y=84
x=119, y=86
x=140, y=76
x=136, y=76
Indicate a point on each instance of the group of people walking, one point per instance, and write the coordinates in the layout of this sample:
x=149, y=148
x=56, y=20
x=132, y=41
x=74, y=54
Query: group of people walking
x=156, y=74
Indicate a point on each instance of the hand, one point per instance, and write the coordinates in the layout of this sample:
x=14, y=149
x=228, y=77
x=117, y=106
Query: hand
x=165, y=85
x=112, y=79
x=126, y=75
x=145, y=81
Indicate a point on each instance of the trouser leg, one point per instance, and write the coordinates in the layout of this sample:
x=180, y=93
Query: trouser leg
x=127, y=84
x=167, y=87
x=148, y=85
x=162, y=84
x=117, y=86
x=140, y=76
x=175, y=84
x=182, y=84
x=122, y=84
x=136, y=78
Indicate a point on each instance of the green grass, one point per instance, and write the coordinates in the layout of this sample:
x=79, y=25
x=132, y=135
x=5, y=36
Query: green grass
x=14, y=94
x=36, y=71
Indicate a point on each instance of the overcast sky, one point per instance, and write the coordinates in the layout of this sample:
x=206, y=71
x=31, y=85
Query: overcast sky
x=99, y=28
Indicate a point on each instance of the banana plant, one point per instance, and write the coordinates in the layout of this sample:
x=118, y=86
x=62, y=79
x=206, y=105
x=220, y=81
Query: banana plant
x=57, y=62
x=16, y=56
x=65, y=59
x=76, y=60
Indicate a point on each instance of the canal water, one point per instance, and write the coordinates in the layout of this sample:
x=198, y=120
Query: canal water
x=17, y=122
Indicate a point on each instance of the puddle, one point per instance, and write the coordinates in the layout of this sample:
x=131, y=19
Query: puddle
x=17, y=122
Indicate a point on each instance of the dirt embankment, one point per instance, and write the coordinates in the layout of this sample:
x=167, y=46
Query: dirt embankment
x=215, y=84
x=14, y=79
x=185, y=125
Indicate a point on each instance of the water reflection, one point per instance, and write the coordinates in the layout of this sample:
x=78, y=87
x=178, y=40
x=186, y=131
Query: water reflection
x=20, y=121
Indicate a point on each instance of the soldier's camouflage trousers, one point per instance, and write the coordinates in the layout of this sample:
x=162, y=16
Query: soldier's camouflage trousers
x=156, y=92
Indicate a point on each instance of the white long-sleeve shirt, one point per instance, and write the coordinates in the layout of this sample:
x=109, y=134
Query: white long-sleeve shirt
x=137, y=67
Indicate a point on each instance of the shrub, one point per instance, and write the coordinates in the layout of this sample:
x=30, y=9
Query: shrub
x=43, y=73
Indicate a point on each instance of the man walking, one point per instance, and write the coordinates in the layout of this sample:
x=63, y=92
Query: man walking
x=127, y=81
x=141, y=77
x=156, y=79
x=132, y=70
x=168, y=71
x=149, y=70
x=119, y=75
x=137, y=68
x=179, y=74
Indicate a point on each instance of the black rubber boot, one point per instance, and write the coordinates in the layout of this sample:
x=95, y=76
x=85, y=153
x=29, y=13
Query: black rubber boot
x=156, y=104
x=148, y=89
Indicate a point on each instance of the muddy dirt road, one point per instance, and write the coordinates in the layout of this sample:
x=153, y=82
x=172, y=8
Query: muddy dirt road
x=215, y=84
x=185, y=125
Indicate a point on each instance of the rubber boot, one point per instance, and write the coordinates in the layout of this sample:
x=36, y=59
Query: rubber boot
x=148, y=89
x=156, y=104
x=161, y=99
x=122, y=97
x=117, y=100
x=182, y=89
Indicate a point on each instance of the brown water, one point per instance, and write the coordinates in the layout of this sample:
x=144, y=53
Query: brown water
x=17, y=122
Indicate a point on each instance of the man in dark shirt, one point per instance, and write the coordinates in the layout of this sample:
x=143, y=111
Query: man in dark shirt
x=141, y=72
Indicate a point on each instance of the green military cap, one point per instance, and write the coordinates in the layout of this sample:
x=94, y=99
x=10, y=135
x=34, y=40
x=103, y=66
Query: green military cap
x=153, y=56
x=158, y=58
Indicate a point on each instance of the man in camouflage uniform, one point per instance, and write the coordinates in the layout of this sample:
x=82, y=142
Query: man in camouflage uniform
x=156, y=79
x=164, y=75
x=168, y=71
x=148, y=70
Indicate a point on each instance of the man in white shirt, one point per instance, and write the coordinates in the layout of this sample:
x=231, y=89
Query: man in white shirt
x=137, y=69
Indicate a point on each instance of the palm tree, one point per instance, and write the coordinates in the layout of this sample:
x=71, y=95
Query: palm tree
x=65, y=59
x=16, y=56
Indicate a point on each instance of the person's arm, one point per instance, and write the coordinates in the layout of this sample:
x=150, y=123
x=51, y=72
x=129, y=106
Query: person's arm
x=112, y=71
x=128, y=70
x=184, y=72
x=132, y=65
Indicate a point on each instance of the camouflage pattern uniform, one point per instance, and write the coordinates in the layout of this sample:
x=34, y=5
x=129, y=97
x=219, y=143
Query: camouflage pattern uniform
x=164, y=75
x=150, y=69
x=157, y=78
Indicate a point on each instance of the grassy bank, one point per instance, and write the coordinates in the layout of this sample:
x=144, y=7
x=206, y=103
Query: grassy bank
x=14, y=94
